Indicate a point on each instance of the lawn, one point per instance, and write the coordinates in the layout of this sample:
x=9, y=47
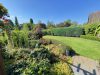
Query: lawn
x=84, y=47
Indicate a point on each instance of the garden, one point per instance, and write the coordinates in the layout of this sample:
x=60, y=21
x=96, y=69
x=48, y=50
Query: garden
x=44, y=49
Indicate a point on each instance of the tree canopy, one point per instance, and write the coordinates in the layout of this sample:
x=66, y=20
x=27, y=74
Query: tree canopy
x=31, y=21
x=16, y=22
x=3, y=11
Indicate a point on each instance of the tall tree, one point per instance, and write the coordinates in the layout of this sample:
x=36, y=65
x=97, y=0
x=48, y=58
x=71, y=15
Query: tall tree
x=3, y=11
x=31, y=21
x=31, y=24
x=16, y=22
x=67, y=23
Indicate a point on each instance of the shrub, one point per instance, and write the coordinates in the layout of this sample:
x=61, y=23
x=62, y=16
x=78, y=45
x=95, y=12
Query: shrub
x=45, y=41
x=35, y=62
x=21, y=54
x=20, y=38
x=32, y=43
x=27, y=62
x=2, y=43
x=55, y=49
x=37, y=33
x=3, y=39
x=90, y=28
x=6, y=55
x=90, y=37
x=61, y=68
x=17, y=68
x=97, y=31
x=38, y=68
x=66, y=31
x=41, y=53
x=63, y=48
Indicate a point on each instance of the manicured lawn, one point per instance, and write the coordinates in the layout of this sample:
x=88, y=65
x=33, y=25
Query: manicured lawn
x=84, y=47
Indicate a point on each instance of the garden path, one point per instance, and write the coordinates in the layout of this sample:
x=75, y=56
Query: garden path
x=84, y=66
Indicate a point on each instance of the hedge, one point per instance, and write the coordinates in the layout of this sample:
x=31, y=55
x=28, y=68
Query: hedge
x=90, y=37
x=66, y=31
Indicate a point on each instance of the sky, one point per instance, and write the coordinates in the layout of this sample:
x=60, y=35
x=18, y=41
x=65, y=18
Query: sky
x=51, y=10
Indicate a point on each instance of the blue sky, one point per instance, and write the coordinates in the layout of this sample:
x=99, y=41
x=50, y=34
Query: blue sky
x=52, y=10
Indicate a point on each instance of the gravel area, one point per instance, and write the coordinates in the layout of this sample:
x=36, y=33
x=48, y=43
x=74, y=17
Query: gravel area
x=84, y=66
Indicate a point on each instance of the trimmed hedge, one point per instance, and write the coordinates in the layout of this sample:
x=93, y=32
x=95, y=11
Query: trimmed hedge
x=66, y=31
x=90, y=37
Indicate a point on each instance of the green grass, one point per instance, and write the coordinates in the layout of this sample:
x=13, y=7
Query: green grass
x=84, y=47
